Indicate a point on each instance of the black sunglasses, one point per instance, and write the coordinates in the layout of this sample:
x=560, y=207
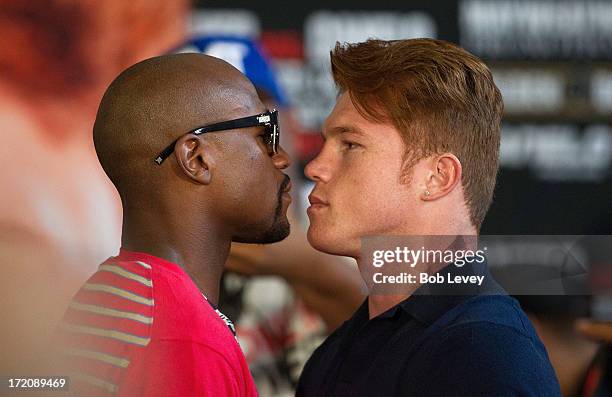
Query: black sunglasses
x=269, y=120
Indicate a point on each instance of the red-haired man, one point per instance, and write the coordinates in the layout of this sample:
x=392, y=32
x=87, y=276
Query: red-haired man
x=411, y=149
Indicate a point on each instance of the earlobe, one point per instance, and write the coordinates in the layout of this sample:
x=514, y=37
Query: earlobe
x=446, y=175
x=195, y=158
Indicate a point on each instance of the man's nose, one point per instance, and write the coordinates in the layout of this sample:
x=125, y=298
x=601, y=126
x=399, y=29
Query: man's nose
x=281, y=159
x=315, y=170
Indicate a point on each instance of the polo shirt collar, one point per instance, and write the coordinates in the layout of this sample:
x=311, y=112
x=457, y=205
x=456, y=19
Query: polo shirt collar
x=430, y=301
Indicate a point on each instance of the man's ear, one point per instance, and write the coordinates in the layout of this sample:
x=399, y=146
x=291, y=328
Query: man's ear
x=195, y=157
x=445, y=174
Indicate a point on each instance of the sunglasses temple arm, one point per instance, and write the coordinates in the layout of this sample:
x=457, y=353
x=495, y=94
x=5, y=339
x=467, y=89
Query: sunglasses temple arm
x=244, y=122
x=165, y=153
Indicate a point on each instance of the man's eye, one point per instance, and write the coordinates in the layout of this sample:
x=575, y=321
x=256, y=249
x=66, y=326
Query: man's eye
x=348, y=145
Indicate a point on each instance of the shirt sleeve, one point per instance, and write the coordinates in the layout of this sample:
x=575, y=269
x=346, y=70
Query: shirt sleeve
x=182, y=368
x=483, y=359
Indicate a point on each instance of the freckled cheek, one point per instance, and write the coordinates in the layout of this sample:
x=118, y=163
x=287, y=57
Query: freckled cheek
x=368, y=197
x=347, y=197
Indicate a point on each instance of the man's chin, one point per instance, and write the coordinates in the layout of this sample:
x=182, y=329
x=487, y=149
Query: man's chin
x=318, y=241
x=277, y=232
x=332, y=245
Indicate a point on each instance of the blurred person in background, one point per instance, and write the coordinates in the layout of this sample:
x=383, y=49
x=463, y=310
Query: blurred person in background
x=412, y=148
x=597, y=381
x=582, y=364
x=284, y=297
x=60, y=216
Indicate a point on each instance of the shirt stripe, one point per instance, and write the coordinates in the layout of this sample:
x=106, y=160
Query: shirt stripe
x=127, y=274
x=119, y=292
x=107, y=358
x=107, y=333
x=146, y=266
x=111, y=312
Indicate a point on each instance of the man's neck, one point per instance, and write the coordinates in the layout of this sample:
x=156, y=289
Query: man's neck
x=202, y=255
x=380, y=303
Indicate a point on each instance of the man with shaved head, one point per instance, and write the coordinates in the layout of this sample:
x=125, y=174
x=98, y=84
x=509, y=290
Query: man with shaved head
x=195, y=157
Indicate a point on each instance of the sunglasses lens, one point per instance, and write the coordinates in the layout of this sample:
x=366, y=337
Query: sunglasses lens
x=275, y=131
x=269, y=139
x=275, y=137
x=272, y=133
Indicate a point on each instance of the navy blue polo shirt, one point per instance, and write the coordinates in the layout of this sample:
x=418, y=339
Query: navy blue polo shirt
x=477, y=342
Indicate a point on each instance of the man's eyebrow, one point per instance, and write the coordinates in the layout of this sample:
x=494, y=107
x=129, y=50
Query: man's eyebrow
x=342, y=129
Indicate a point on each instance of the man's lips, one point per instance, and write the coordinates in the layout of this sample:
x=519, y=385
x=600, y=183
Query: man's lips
x=287, y=187
x=316, y=202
